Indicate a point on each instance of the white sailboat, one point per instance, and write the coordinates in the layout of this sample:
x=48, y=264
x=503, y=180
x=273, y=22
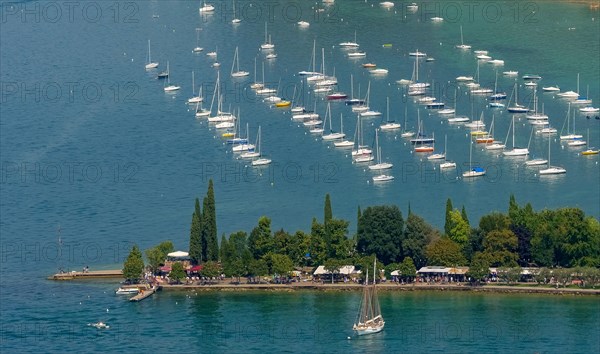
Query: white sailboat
x=570, y=94
x=235, y=19
x=362, y=153
x=379, y=165
x=236, y=65
x=206, y=8
x=169, y=87
x=552, y=170
x=267, y=45
x=245, y=147
x=494, y=145
x=516, y=108
x=389, y=125
x=570, y=135
x=405, y=132
x=369, y=112
x=515, y=151
x=343, y=143
x=261, y=161
x=197, y=49
x=437, y=156
x=447, y=164
x=462, y=44
x=350, y=44
x=194, y=99
x=473, y=171
x=332, y=135
x=369, y=318
x=149, y=63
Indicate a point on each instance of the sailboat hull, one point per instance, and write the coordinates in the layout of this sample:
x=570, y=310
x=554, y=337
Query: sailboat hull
x=360, y=331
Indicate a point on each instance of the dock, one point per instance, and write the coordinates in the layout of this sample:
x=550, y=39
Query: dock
x=143, y=294
x=92, y=274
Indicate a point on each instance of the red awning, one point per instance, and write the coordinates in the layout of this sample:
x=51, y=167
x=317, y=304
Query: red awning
x=196, y=268
x=165, y=269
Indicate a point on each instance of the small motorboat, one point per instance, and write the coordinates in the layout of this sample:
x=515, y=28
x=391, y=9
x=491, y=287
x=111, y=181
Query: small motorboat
x=121, y=291
x=99, y=325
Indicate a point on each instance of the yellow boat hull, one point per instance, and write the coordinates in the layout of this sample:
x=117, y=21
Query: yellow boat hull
x=283, y=104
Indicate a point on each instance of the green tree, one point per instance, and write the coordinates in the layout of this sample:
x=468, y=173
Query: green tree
x=282, y=242
x=500, y=248
x=211, y=269
x=258, y=268
x=417, y=235
x=524, y=222
x=336, y=239
x=195, y=250
x=365, y=265
x=299, y=248
x=328, y=214
x=157, y=255
x=449, y=208
x=235, y=255
x=463, y=213
x=380, y=232
x=408, y=269
x=210, y=245
x=280, y=264
x=459, y=229
x=479, y=268
x=444, y=252
x=134, y=265
x=318, y=242
x=177, y=272
x=260, y=241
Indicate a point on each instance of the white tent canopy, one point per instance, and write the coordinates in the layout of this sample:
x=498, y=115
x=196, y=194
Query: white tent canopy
x=346, y=270
x=178, y=254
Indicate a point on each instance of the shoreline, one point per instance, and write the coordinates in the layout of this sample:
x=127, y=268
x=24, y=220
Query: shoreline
x=228, y=286
x=383, y=287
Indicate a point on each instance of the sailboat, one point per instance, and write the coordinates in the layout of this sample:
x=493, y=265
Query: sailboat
x=362, y=152
x=590, y=151
x=516, y=108
x=267, y=45
x=369, y=318
x=343, y=143
x=497, y=95
x=379, y=165
x=261, y=161
x=197, y=49
x=447, y=164
x=438, y=156
x=352, y=101
x=552, y=170
x=245, y=147
x=473, y=171
x=332, y=135
x=421, y=137
x=236, y=66
x=535, y=115
x=150, y=64
x=169, y=87
x=350, y=44
x=219, y=116
x=462, y=44
x=570, y=94
x=494, y=145
x=516, y=151
x=405, y=132
x=206, y=8
x=311, y=70
x=235, y=19
x=194, y=99
x=389, y=125
x=450, y=110
x=368, y=112
x=570, y=135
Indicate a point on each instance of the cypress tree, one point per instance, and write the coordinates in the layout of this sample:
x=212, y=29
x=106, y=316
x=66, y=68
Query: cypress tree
x=409, y=210
x=358, y=215
x=448, y=224
x=328, y=213
x=210, y=244
x=195, y=250
x=463, y=213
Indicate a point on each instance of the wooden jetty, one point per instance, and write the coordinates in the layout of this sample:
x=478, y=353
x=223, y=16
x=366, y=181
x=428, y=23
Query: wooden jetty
x=143, y=294
x=92, y=274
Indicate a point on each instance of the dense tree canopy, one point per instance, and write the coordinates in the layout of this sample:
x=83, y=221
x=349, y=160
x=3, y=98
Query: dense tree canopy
x=381, y=232
x=444, y=252
x=156, y=255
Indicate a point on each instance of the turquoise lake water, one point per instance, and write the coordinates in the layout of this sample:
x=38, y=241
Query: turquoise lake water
x=92, y=146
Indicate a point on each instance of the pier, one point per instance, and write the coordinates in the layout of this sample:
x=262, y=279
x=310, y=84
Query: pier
x=92, y=274
x=143, y=294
